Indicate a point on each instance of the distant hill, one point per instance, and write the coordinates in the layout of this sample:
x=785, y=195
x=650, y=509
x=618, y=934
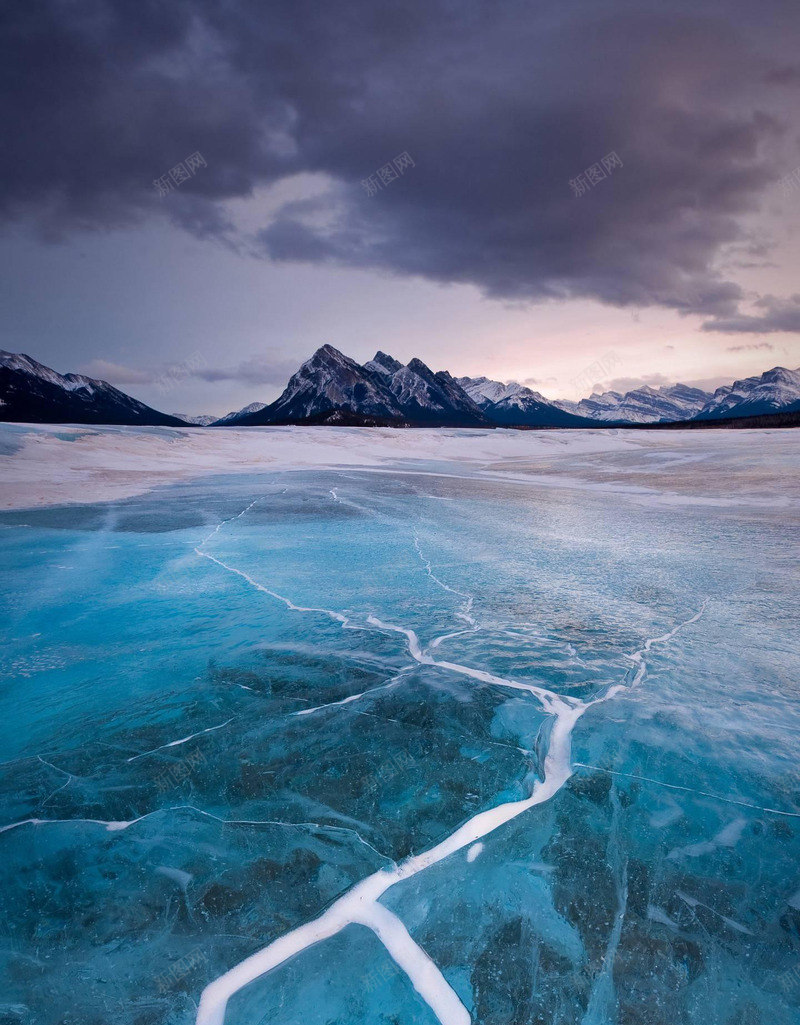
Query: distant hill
x=775, y=391
x=514, y=405
x=254, y=407
x=642, y=405
x=30, y=392
x=789, y=419
x=196, y=421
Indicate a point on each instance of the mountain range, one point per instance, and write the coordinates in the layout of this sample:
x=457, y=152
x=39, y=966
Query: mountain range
x=331, y=388
x=774, y=391
x=197, y=421
x=515, y=405
x=643, y=405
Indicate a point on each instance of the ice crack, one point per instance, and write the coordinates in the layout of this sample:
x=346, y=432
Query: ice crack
x=466, y=607
x=638, y=656
x=359, y=905
x=183, y=740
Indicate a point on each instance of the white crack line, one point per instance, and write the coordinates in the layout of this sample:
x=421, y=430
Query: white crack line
x=118, y=825
x=358, y=902
x=466, y=607
x=183, y=740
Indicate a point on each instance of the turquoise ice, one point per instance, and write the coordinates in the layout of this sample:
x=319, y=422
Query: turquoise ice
x=432, y=744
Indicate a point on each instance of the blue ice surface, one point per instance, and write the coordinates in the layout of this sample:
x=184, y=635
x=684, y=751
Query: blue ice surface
x=12, y=437
x=659, y=885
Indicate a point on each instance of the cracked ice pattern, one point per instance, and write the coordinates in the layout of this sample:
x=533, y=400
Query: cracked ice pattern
x=322, y=747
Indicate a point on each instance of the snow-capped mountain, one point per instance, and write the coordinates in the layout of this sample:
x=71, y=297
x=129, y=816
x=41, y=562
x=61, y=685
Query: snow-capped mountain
x=425, y=396
x=381, y=391
x=643, y=405
x=30, y=392
x=776, y=390
x=596, y=406
x=254, y=407
x=513, y=404
x=196, y=421
x=327, y=382
x=527, y=408
x=484, y=391
x=384, y=364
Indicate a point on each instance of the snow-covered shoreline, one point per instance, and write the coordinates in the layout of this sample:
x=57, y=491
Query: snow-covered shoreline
x=44, y=465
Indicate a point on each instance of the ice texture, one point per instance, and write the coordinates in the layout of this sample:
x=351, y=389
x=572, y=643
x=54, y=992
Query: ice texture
x=494, y=740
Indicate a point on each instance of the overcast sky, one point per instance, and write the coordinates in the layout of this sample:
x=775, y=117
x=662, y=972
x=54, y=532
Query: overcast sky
x=555, y=191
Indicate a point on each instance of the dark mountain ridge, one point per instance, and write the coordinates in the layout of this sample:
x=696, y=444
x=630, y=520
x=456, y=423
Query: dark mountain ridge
x=30, y=392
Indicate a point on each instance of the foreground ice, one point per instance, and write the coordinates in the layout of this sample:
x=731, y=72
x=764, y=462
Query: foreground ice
x=472, y=726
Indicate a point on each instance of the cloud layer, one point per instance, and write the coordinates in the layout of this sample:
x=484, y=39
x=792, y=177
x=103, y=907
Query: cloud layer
x=499, y=105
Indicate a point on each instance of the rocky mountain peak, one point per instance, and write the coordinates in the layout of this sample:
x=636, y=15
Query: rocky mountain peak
x=383, y=362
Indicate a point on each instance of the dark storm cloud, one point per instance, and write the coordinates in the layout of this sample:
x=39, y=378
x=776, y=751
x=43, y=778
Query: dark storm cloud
x=499, y=105
x=774, y=315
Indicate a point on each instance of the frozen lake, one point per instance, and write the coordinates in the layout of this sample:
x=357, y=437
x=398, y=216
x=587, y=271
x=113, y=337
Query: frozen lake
x=384, y=727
